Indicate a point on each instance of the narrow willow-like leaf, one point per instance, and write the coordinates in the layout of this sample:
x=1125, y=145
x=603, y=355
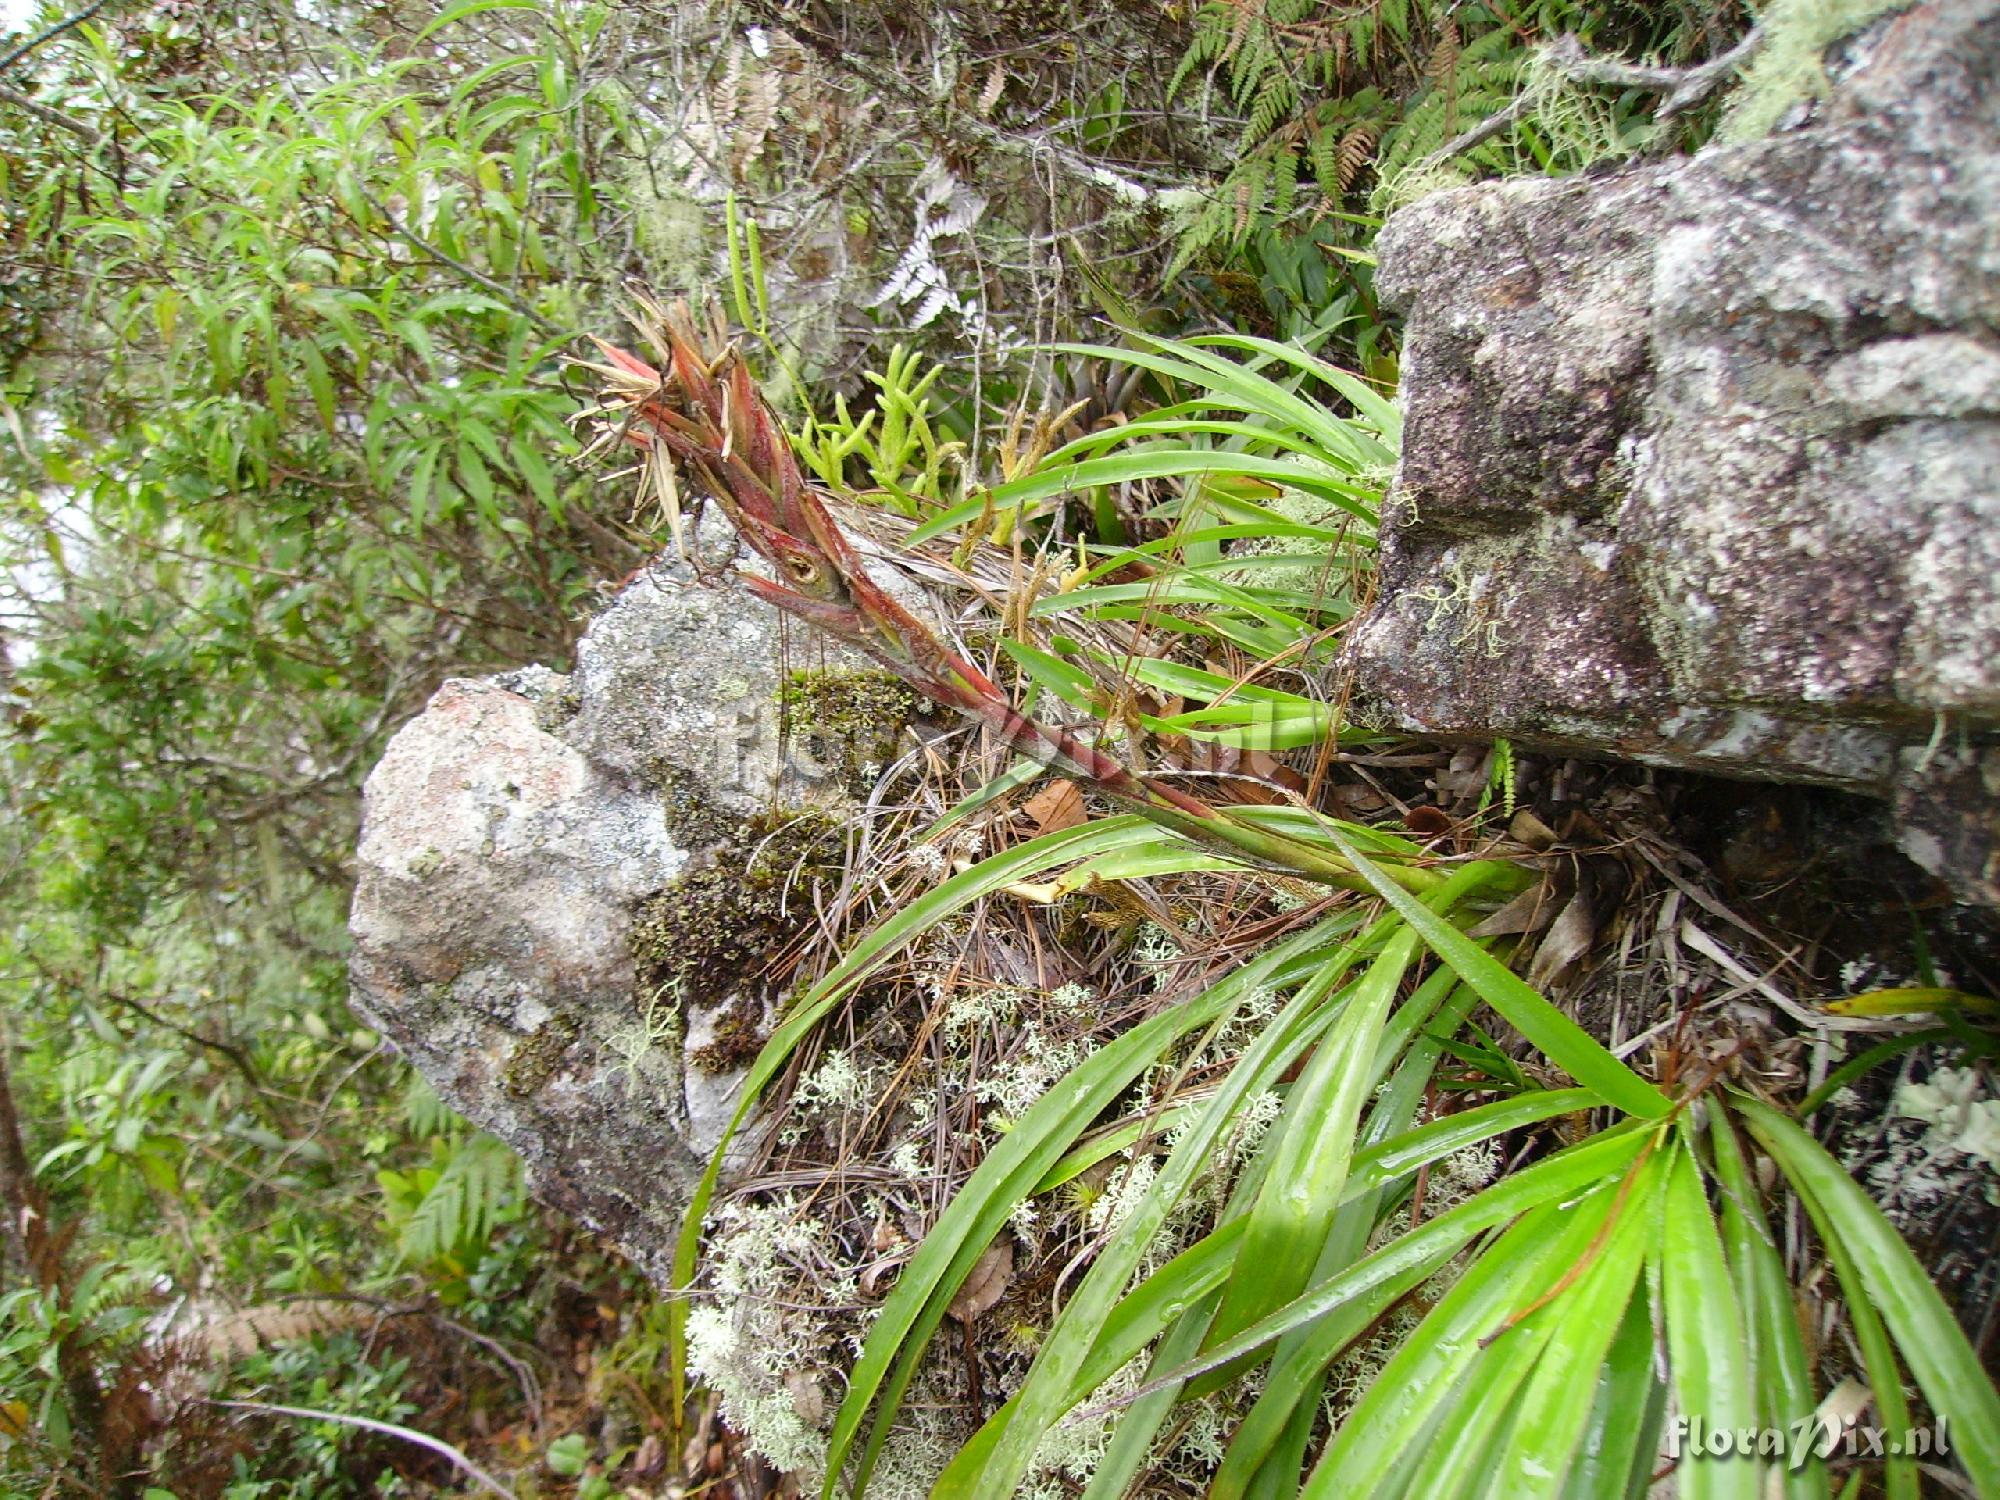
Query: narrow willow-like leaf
x=1554, y=1034
x=1706, y=1340
x=1887, y=1275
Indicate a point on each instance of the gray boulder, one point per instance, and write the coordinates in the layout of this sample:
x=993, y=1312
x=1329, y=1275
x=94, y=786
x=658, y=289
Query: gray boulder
x=516, y=836
x=1702, y=461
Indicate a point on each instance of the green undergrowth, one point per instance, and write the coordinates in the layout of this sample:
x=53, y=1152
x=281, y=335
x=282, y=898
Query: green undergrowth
x=1540, y=1324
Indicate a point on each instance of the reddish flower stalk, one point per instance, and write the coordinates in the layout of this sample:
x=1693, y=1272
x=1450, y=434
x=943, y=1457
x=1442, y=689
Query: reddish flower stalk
x=707, y=414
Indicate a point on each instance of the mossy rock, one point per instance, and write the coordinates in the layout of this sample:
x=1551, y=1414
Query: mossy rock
x=847, y=721
x=704, y=937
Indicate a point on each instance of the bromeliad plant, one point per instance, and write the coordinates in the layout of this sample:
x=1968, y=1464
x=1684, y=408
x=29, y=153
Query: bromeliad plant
x=1570, y=1303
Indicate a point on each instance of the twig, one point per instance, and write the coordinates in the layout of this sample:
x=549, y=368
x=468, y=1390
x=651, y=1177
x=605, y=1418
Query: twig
x=235, y=1055
x=1684, y=87
x=471, y=273
x=35, y=42
x=54, y=116
x=1704, y=80
x=407, y=1434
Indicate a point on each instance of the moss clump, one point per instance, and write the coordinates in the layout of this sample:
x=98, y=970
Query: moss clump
x=738, y=1038
x=708, y=934
x=1791, y=65
x=847, y=721
x=695, y=822
x=535, y=1061
x=552, y=712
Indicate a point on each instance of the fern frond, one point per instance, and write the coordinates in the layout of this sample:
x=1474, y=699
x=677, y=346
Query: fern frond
x=1284, y=178
x=1323, y=156
x=1249, y=188
x=424, y=1112
x=1497, y=46
x=1443, y=61
x=1275, y=102
x=478, y=1187
x=1395, y=16
x=1357, y=149
x=1247, y=14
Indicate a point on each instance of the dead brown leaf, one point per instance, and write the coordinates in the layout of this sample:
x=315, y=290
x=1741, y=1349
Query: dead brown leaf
x=1057, y=806
x=991, y=1275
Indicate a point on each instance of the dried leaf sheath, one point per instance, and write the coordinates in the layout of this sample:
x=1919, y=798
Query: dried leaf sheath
x=707, y=413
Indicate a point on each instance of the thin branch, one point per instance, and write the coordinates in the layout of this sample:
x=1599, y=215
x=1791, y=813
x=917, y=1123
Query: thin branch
x=1702, y=81
x=391, y=1429
x=1684, y=87
x=54, y=117
x=236, y=1057
x=472, y=273
x=1485, y=130
x=37, y=42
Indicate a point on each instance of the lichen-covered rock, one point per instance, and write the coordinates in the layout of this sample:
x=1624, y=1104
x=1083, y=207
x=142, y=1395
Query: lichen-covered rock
x=1702, y=462
x=516, y=833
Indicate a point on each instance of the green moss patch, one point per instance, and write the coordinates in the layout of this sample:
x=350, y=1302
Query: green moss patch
x=709, y=934
x=847, y=721
x=535, y=1061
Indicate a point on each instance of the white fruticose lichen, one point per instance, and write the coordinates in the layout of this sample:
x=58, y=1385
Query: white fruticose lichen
x=749, y=1346
x=839, y=1082
x=1036, y=1062
x=638, y=1040
x=1154, y=944
x=1071, y=1450
x=1962, y=1122
x=1939, y=1139
x=838, y=1091
x=1123, y=1190
x=972, y=1006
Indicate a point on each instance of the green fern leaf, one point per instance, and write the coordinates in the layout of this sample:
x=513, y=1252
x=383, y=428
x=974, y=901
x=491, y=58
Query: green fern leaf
x=479, y=1187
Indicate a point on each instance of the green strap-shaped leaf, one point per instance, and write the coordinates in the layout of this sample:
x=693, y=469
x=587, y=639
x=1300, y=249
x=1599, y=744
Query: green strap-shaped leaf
x=1045, y=1396
x=1778, y=1366
x=895, y=932
x=1007, y=1175
x=1311, y=1152
x=1381, y=1433
x=1564, y=1175
x=1554, y=1034
x=1707, y=1343
x=1554, y=1408
x=1887, y=1275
